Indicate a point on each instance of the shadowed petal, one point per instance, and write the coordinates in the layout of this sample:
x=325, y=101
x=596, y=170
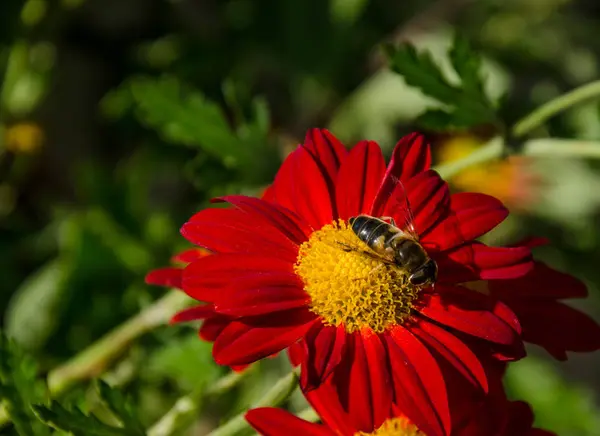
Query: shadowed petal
x=429, y=199
x=358, y=179
x=193, y=314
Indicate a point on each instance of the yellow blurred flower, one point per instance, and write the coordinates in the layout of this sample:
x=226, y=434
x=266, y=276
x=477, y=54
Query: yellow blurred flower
x=25, y=137
x=511, y=180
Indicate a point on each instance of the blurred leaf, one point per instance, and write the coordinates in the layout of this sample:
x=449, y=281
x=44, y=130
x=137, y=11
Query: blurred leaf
x=347, y=11
x=20, y=387
x=466, y=104
x=559, y=406
x=120, y=406
x=78, y=423
x=187, y=360
x=35, y=309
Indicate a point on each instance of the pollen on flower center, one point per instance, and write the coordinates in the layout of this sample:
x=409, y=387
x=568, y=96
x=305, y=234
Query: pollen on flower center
x=350, y=287
x=399, y=426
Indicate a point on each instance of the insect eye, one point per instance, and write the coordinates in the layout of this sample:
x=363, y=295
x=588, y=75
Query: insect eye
x=418, y=278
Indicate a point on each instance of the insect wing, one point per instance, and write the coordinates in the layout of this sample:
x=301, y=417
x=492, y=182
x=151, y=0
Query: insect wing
x=398, y=207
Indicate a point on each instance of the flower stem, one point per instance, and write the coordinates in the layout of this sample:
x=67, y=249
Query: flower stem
x=542, y=147
x=536, y=118
x=95, y=359
x=274, y=397
x=185, y=409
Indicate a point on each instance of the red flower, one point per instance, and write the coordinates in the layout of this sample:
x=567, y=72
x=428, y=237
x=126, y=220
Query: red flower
x=289, y=268
x=496, y=417
x=213, y=323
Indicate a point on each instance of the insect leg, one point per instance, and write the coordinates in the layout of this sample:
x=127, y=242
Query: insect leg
x=390, y=219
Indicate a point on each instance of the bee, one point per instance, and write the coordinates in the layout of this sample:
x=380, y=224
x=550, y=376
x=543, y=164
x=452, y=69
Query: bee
x=394, y=244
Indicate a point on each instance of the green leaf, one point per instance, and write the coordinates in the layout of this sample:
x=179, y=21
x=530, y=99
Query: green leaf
x=465, y=104
x=78, y=423
x=120, y=406
x=35, y=309
x=558, y=405
x=20, y=387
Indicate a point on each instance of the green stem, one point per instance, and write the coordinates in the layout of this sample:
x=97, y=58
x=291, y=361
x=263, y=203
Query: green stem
x=95, y=359
x=274, y=397
x=553, y=107
x=185, y=410
x=543, y=147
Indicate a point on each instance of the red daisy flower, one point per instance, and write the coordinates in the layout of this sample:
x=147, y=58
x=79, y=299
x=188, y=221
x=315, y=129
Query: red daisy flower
x=497, y=417
x=289, y=267
x=213, y=323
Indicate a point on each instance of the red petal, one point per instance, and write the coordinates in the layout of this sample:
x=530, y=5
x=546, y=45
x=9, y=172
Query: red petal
x=188, y=256
x=471, y=215
x=473, y=313
x=429, y=199
x=234, y=231
x=323, y=348
x=255, y=338
x=358, y=179
x=558, y=328
x=328, y=152
x=269, y=421
x=379, y=376
x=285, y=221
x=302, y=187
x=419, y=378
x=326, y=402
x=194, y=313
x=410, y=157
x=212, y=327
x=541, y=283
x=454, y=351
x=206, y=278
x=165, y=277
x=474, y=261
x=262, y=295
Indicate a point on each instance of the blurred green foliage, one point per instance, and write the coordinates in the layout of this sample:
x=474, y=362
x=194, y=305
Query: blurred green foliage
x=147, y=109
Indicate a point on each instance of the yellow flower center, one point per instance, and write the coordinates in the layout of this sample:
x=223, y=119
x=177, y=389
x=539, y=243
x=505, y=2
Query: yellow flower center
x=348, y=284
x=399, y=426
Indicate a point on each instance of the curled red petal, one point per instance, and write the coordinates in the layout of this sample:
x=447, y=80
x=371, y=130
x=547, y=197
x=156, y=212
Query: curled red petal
x=473, y=313
x=269, y=421
x=235, y=231
x=454, y=351
x=410, y=157
x=207, y=278
x=212, y=327
x=358, y=179
x=251, y=339
x=419, y=385
x=170, y=277
x=323, y=350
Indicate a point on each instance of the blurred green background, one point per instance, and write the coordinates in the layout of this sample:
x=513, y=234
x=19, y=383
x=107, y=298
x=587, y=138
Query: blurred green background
x=121, y=118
